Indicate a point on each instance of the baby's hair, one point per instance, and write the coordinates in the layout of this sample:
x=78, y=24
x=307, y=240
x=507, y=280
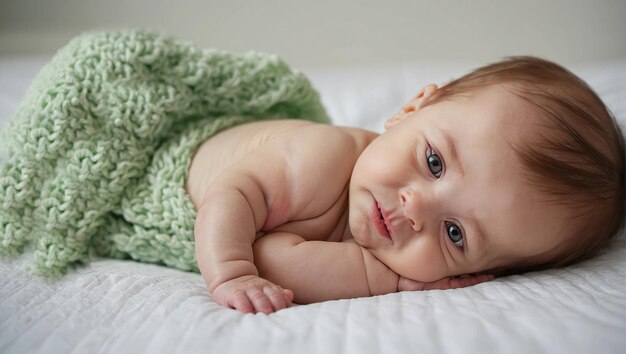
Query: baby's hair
x=576, y=160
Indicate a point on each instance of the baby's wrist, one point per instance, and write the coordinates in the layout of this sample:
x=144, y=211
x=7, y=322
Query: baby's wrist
x=230, y=270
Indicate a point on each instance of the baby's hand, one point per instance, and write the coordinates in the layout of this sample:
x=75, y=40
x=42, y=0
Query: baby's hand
x=405, y=284
x=252, y=294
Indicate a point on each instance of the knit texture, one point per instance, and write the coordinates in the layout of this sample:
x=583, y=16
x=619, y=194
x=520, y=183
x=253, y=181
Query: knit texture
x=99, y=149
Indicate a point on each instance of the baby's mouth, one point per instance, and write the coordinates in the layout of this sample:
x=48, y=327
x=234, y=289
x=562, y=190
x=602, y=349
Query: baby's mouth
x=379, y=220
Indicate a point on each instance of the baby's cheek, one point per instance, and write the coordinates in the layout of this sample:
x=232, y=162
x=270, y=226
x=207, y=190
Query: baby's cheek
x=426, y=267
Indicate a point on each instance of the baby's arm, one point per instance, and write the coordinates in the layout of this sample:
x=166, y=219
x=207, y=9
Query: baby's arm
x=285, y=179
x=226, y=225
x=320, y=270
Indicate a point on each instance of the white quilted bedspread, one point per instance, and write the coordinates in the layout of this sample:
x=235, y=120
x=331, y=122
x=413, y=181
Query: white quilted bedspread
x=113, y=306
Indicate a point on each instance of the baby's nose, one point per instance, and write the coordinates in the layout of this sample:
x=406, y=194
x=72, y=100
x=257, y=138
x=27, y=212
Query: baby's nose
x=416, y=207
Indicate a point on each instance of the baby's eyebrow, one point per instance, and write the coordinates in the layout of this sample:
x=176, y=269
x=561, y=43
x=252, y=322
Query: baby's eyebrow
x=478, y=238
x=451, y=148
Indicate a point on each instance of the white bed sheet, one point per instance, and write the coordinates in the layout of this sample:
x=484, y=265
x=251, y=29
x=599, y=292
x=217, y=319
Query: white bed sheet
x=112, y=306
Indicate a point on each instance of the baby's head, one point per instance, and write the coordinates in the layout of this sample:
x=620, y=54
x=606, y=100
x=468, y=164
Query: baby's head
x=516, y=166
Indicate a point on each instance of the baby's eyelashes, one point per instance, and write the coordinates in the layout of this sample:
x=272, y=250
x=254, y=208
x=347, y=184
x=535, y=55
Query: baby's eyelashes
x=454, y=234
x=435, y=164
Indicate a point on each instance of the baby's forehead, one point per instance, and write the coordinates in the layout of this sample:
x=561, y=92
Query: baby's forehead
x=497, y=101
x=498, y=112
x=529, y=230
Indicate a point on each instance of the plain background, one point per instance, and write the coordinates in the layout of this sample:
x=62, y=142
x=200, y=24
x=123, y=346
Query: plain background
x=326, y=33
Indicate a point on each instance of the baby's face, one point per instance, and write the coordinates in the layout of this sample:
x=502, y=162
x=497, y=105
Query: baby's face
x=451, y=190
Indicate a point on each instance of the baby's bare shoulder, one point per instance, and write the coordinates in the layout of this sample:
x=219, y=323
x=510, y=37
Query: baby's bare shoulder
x=301, y=169
x=317, y=162
x=332, y=144
x=320, y=155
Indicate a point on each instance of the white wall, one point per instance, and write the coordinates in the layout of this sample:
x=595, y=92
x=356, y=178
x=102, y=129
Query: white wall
x=325, y=33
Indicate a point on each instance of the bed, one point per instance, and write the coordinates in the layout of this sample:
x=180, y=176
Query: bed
x=114, y=306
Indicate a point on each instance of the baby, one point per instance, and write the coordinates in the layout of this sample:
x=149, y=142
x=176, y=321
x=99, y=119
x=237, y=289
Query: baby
x=516, y=166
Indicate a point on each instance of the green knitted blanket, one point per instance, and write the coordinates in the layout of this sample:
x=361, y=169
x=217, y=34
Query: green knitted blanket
x=98, y=151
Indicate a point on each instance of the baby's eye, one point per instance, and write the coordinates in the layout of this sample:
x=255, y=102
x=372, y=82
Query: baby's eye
x=454, y=234
x=434, y=163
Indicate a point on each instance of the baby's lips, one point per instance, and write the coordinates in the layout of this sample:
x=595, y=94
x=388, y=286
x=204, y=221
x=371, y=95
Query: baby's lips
x=394, y=221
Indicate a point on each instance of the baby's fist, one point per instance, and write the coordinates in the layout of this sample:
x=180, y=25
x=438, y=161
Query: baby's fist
x=252, y=294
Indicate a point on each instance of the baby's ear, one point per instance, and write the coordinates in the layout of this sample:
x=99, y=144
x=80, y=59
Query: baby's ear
x=413, y=105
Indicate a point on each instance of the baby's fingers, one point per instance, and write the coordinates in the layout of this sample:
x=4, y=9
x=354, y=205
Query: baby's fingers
x=241, y=302
x=277, y=298
x=252, y=294
x=288, y=294
x=259, y=300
